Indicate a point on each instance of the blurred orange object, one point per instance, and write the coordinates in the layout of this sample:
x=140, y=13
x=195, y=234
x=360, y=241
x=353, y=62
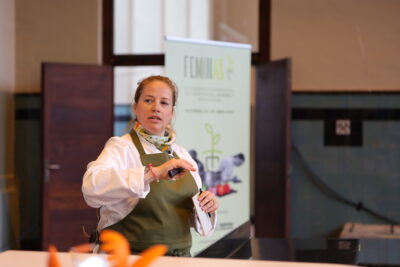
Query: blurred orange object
x=117, y=246
x=53, y=259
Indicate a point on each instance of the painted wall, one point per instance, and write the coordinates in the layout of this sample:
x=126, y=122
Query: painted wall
x=342, y=45
x=339, y=44
x=32, y=32
x=54, y=31
x=8, y=227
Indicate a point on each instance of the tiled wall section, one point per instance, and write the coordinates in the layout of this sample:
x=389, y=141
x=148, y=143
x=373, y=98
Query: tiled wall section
x=368, y=173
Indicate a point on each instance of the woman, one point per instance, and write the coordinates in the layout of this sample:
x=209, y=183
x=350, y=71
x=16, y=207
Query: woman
x=130, y=184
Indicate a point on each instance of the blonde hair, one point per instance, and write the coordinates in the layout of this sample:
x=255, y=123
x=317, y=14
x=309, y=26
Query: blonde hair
x=139, y=90
x=142, y=84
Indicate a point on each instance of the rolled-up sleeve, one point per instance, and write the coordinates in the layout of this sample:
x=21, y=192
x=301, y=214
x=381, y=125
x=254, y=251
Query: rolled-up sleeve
x=115, y=175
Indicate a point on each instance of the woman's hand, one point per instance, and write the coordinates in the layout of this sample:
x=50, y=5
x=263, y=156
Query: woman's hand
x=161, y=172
x=208, y=201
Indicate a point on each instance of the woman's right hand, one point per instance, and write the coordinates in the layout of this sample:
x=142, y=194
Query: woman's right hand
x=161, y=172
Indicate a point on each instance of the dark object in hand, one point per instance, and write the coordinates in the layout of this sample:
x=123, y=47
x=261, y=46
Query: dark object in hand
x=175, y=171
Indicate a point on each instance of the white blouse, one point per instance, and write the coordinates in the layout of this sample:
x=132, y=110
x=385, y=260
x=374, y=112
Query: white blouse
x=114, y=182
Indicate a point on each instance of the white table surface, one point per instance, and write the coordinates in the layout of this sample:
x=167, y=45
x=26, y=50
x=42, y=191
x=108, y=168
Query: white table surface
x=14, y=258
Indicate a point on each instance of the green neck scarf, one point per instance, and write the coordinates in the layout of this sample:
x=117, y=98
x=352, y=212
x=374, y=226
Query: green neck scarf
x=162, y=143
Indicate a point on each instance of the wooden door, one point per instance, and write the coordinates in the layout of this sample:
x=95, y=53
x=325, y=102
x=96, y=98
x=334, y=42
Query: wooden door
x=77, y=121
x=272, y=149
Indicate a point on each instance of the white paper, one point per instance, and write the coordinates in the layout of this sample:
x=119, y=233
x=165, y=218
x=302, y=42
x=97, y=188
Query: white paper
x=204, y=218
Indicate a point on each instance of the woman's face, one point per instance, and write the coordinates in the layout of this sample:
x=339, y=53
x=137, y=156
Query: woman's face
x=154, y=110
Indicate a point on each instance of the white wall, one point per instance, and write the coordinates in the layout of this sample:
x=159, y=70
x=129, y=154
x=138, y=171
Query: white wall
x=339, y=44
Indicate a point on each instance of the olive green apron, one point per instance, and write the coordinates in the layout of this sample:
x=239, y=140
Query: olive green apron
x=163, y=217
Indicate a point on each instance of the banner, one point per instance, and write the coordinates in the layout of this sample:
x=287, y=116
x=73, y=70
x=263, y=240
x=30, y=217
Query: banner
x=213, y=123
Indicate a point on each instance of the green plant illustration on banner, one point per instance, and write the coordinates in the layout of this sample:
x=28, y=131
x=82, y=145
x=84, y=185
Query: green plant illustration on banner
x=211, y=156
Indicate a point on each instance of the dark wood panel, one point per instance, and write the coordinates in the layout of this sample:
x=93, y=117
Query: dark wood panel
x=264, y=32
x=70, y=227
x=272, y=150
x=108, y=31
x=77, y=121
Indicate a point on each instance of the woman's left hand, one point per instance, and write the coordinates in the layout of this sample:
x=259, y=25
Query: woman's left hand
x=208, y=201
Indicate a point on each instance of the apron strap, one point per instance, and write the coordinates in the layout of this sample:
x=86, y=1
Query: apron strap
x=136, y=141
